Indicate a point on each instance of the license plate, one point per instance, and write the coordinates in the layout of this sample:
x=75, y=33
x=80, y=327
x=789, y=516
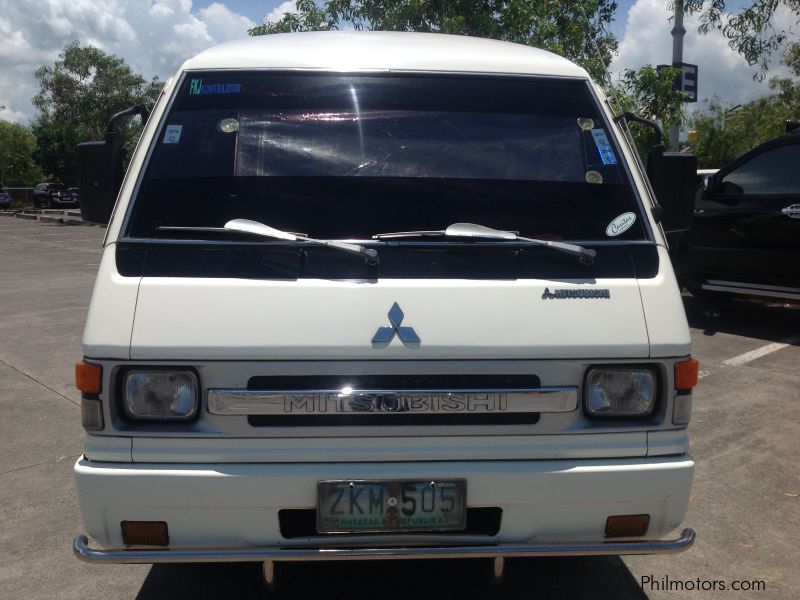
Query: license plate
x=360, y=506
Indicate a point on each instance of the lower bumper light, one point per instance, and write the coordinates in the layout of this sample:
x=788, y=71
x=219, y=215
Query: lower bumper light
x=682, y=409
x=91, y=414
x=145, y=533
x=627, y=525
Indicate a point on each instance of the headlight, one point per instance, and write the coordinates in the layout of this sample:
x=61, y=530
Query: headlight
x=161, y=395
x=620, y=392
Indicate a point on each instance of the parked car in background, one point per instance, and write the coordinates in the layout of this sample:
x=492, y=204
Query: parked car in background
x=745, y=238
x=5, y=199
x=53, y=195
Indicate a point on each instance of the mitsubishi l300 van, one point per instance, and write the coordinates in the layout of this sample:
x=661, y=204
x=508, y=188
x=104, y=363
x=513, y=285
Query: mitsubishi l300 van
x=378, y=295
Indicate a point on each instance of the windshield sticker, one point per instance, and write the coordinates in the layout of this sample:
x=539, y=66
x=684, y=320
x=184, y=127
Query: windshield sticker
x=198, y=88
x=585, y=123
x=173, y=134
x=229, y=125
x=593, y=177
x=604, y=147
x=621, y=224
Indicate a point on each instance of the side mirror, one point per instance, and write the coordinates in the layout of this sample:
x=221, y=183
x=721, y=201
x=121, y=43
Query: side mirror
x=710, y=186
x=100, y=170
x=673, y=176
x=99, y=177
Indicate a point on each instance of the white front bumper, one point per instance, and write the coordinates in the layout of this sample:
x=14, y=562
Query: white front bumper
x=236, y=505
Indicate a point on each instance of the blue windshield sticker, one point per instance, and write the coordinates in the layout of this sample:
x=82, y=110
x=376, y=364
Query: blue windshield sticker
x=198, y=88
x=604, y=147
x=173, y=134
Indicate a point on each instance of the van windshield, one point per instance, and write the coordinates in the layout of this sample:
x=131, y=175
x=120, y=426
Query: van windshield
x=349, y=156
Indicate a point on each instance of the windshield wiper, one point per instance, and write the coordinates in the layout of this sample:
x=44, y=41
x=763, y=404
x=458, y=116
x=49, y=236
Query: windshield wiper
x=256, y=228
x=471, y=230
x=193, y=229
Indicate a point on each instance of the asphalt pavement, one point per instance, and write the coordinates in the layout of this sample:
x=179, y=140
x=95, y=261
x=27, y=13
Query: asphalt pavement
x=745, y=505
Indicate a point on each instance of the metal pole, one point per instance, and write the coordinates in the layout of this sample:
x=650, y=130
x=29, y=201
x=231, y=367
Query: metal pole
x=678, y=31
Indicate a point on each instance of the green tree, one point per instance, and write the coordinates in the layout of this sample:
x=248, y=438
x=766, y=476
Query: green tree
x=576, y=29
x=725, y=132
x=648, y=92
x=748, y=26
x=76, y=97
x=788, y=88
x=307, y=17
x=17, y=147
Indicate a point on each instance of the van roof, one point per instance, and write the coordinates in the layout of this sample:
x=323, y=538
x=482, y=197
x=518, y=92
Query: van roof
x=382, y=51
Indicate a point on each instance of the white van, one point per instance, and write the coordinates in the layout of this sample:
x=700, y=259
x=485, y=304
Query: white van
x=382, y=295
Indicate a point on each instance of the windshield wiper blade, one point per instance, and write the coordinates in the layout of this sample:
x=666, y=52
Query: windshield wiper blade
x=471, y=230
x=196, y=229
x=256, y=228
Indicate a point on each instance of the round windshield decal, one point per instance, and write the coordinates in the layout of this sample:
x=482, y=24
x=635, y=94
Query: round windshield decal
x=593, y=177
x=621, y=224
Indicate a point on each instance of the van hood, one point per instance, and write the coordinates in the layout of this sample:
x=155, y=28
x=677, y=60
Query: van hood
x=191, y=318
x=241, y=319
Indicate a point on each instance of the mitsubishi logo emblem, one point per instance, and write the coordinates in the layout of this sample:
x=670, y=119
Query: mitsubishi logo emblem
x=385, y=335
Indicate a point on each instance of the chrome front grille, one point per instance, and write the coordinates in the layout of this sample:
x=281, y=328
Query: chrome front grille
x=388, y=402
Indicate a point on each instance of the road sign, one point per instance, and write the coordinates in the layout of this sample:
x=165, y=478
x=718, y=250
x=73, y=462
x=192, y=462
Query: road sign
x=686, y=81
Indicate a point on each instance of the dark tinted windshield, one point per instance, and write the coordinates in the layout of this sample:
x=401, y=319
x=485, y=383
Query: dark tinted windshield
x=337, y=156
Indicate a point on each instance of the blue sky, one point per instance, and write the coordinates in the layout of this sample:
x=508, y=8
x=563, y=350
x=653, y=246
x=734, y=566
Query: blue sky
x=156, y=36
x=255, y=9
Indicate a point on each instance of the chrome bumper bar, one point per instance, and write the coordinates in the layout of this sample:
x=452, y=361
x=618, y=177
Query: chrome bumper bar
x=222, y=555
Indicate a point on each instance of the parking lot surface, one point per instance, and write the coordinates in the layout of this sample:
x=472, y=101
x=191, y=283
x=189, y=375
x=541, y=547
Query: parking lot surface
x=745, y=432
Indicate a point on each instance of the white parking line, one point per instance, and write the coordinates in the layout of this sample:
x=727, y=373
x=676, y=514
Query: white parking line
x=759, y=352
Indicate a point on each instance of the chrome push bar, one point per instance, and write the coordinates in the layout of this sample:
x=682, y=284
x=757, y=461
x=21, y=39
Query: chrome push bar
x=224, y=555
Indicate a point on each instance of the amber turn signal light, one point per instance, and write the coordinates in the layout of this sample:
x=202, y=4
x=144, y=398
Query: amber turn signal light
x=686, y=374
x=88, y=378
x=627, y=525
x=145, y=533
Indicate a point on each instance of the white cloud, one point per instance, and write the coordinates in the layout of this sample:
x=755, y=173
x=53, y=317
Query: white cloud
x=222, y=23
x=721, y=71
x=153, y=36
x=288, y=6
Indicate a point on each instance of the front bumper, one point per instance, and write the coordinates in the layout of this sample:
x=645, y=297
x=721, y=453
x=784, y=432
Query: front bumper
x=548, y=507
x=123, y=556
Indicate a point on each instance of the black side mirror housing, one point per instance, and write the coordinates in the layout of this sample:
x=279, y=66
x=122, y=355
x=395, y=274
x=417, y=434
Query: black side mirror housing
x=673, y=176
x=711, y=186
x=100, y=171
x=99, y=177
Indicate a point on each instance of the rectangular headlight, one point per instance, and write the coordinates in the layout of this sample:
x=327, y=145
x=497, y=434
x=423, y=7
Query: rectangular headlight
x=620, y=392
x=160, y=394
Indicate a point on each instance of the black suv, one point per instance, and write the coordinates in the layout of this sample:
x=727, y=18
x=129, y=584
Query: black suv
x=53, y=195
x=745, y=238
